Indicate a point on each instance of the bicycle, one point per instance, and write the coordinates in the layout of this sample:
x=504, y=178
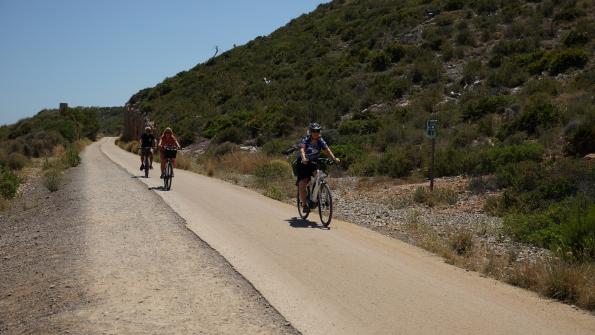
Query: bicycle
x=169, y=154
x=318, y=193
x=146, y=152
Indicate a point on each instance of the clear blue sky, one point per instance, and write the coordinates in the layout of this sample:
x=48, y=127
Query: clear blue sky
x=99, y=53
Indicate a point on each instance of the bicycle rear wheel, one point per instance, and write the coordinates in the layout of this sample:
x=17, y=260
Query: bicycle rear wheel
x=300, y=207
x=325, y=205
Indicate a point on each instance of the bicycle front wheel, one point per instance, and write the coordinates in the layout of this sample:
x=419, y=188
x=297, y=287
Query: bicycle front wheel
x=325, y=205
x=146, y=167
x=303, y=214
x=168, y=176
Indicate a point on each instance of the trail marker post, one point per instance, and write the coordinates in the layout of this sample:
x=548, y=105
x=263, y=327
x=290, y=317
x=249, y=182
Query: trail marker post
x=431, y=132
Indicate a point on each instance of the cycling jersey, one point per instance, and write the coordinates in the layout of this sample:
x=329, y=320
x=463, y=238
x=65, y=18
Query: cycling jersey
x=312, y=149
x=147, y=140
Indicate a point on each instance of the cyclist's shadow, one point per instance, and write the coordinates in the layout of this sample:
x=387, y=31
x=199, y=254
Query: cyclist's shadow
x=305, y=223
x=157, y=188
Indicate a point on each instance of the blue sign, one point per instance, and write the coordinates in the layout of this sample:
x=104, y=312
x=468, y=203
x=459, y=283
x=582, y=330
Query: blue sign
x=431, y=128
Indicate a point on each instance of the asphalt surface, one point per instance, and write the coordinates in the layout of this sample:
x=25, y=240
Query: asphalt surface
x=348, y=280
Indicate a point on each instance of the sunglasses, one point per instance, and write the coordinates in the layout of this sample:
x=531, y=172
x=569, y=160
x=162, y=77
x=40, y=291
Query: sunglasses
x=315, y=131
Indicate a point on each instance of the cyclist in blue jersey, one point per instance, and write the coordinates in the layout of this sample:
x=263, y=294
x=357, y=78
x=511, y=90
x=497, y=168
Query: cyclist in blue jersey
x=310, y=147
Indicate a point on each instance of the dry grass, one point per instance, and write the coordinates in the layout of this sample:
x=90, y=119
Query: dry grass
x=439, y=196
x=373, y=183
x=183, y=162
x=241, y=162
x=4, y=204
x=552, y=278
x=210, y=167
x=52, y=179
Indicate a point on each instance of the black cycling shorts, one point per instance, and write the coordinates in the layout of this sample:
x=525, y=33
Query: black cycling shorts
x=305, y=171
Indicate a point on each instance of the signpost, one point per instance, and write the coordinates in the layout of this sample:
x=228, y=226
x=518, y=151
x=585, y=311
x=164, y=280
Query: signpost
x=431, y=132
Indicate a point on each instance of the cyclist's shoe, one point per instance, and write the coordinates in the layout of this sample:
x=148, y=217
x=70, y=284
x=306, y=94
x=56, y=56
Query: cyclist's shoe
x=151, y=167
x=305, y=209
x=162, y=175
x=142, y=167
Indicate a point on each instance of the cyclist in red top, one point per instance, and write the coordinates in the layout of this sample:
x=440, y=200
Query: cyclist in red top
x=167, y=139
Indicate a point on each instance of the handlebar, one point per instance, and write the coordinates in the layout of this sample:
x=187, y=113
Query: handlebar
x=290, y=150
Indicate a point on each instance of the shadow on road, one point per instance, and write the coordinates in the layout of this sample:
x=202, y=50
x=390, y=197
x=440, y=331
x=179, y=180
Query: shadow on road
x=157, y=188
x=304, y=223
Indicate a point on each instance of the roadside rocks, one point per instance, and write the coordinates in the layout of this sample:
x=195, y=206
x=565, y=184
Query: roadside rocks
x=375, y=207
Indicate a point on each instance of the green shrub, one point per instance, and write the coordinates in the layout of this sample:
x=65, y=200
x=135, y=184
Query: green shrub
x=367, y=167
x=567, y=228
x=359, y=127
x=425, y=72
x=534, y=186
x=541, y=86
x=395, y=163
x=231, y=134
x=71, y=157
x=472, y=70
x=537, y=113
x=274, y=170
x=576, y=38
x=379, y=60
x=569, y=13
x=451, y=5
x=453, y=162
x=52, y=179
x=16, y=161
x=349, y=154
x=395, y=52
x=577, y=232
x=580, y=139
x=477, y=108
x=276, y=146
x=9, y=183
x=508, y=75
x=498, y=157
x=563, y=60
x=521, y=176
x=536, y=229
x=465, y=37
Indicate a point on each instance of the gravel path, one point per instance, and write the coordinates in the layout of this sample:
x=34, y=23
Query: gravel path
x=105, y=256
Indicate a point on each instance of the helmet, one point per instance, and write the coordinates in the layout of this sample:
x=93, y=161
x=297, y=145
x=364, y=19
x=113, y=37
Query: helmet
x=314, y=127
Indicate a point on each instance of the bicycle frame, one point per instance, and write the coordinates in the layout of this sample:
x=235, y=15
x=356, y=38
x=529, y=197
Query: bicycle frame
x=315, y=186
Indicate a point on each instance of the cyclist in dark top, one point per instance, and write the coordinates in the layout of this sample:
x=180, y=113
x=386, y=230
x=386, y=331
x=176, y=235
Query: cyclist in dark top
x=147, y=143
x=310, y=147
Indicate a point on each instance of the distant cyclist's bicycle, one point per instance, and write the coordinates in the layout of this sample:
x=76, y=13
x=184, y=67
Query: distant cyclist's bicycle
x=170, y=154
x=146, y=152
x=319, y=193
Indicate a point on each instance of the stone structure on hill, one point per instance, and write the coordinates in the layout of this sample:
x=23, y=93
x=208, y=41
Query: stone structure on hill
x=135, y=122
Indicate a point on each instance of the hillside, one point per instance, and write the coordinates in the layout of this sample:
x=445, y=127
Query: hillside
x=376, y=70
x=511, y=84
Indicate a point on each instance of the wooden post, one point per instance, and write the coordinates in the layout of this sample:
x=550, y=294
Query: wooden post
x=432, y=166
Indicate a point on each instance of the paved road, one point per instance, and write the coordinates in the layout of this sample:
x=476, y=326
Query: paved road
x=349, y=280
